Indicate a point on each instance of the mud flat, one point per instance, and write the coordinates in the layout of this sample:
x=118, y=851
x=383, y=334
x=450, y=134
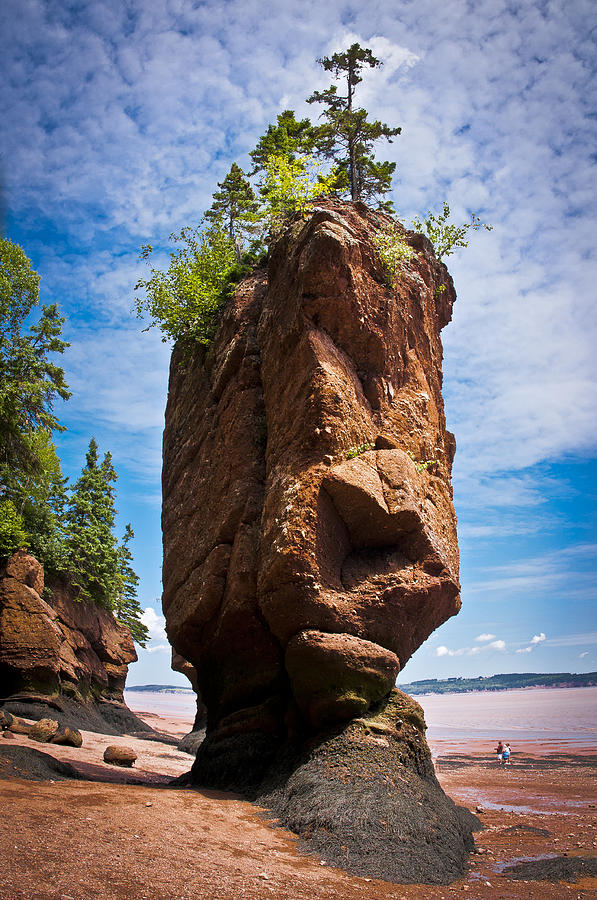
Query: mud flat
x=114, y=838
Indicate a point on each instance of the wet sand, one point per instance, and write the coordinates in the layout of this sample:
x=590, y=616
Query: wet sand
x=71, y=840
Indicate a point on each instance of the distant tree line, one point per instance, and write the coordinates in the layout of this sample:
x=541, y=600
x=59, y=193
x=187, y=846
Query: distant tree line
x=506, y=682
x=69, y=529
x=294, y=163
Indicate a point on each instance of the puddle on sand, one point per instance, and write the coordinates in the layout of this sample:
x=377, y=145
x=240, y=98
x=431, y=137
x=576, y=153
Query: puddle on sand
x=516, y=860
x=531, y=810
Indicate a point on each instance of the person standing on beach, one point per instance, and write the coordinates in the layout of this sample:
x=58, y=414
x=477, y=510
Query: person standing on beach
x=506, y=755
x=499, y=750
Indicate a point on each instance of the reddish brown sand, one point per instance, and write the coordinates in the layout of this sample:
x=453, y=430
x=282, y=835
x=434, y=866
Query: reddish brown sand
x=107, y=839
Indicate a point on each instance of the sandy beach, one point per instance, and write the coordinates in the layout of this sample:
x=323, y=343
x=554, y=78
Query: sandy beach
x=125, y=834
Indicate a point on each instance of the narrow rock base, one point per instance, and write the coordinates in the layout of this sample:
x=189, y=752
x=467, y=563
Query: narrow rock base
x=365, y=799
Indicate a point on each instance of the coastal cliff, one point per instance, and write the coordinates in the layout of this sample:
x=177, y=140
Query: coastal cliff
x=71, y=656
x=310, y=538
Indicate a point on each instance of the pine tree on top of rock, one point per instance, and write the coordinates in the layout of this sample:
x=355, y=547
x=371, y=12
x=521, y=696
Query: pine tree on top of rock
x=347, y=135
x=235, y=205
x=288, y=138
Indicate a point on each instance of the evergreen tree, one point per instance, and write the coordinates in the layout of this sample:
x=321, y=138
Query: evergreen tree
x=289, y=137
x=92, y=560
x=29, y=380
x=235, y=205
x=39, y=496
x=126, y=605
x=347, y=135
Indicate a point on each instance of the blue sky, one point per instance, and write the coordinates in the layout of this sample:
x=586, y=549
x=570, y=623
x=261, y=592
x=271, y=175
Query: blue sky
x=120, y=117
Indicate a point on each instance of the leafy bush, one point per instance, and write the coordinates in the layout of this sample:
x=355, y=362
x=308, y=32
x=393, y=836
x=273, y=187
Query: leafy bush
x=12, y=529
x=392, y=249
x=356, y=451
x=185, y=300
x=290, y=185
x=423, y=464
x=446, y=238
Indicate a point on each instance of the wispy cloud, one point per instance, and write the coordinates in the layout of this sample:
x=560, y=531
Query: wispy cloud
x=158, y=648
x=119, y=123
x=569, y=569
x=573, y=640
x=473, y=651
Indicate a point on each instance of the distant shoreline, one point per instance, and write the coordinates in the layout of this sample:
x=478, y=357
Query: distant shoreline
x=160, y=689
x=507, y=682
x=493, y=683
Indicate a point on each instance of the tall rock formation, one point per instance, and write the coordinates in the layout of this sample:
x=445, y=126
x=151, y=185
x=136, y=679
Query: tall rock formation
x=309, y=532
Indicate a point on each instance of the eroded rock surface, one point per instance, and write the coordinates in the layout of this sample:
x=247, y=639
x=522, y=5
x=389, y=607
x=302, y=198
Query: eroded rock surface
x=309, y=533
x=60, y=654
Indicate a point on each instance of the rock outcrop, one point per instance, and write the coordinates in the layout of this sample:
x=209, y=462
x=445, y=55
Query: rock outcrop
x=72, y=656
x=309, y=533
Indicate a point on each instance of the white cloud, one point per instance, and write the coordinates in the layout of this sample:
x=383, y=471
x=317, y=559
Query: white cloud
x=159, y=648
x=485, y=637
x=471, y=651
x=119, y=122
x=498, y=645
x=535, y=641
x=155, y=624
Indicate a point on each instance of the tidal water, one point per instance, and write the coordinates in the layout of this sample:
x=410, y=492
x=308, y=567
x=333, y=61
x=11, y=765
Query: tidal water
x=566, y=716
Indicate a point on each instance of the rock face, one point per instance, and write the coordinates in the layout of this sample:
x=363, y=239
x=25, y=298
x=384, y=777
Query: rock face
x=309, y=533
x=72, y=655
x=57, y=645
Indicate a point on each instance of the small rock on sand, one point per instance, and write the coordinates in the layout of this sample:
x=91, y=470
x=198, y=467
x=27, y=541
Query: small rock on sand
x=71, y=737
x=17, y=726
x=44, y=730
x=120, y=756
x=6, y=719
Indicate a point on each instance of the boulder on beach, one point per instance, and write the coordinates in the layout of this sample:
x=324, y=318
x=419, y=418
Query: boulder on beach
x=120, y=756
x=43, y=731
x=6, y=719
x=17, y=726
x=70, y=737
